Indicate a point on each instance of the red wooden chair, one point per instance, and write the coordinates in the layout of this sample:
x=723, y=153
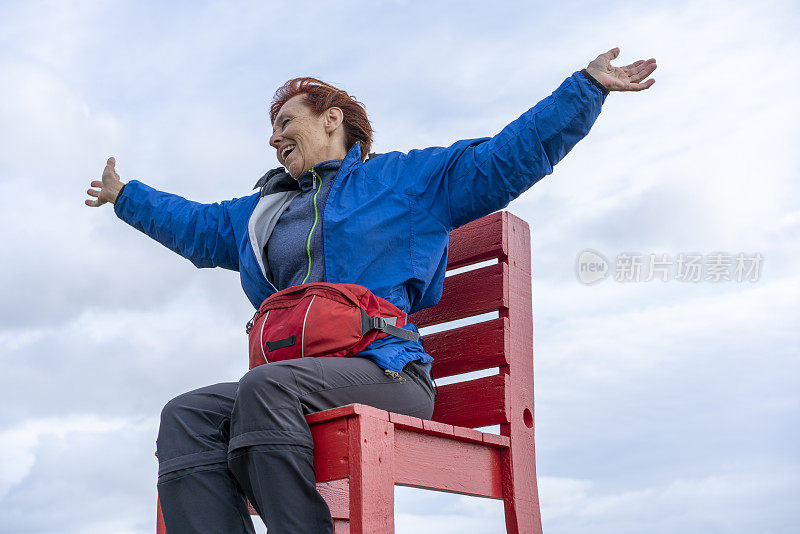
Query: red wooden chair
x=361, y=452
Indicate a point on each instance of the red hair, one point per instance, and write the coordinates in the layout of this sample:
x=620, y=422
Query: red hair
x=321, y=96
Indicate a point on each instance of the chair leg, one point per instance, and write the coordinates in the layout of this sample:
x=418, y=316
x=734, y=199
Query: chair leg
x=520, y=494
x=160, y=527
x=371, y=444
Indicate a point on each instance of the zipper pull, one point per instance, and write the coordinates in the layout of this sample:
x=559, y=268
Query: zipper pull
x=251, y=322
x=314, y=177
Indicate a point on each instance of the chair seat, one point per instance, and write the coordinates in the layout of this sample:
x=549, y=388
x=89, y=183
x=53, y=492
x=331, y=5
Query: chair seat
x=418, y=453
x=406, y=422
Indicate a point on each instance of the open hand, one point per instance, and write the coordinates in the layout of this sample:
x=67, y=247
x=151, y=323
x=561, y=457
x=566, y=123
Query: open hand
x=626, y=78
x=109, y=185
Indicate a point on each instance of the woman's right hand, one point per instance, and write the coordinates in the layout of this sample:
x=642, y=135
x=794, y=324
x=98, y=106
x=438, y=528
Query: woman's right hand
x=109, y=186
x=622, y=78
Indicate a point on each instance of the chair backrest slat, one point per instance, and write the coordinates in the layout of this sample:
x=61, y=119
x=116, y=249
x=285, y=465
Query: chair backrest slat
x=466, y=294
x=469, y=348
x=474, y=403
x=477, y=241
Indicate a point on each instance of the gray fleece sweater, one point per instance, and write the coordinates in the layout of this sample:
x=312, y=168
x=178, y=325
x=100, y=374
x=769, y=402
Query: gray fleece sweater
x=293, y=258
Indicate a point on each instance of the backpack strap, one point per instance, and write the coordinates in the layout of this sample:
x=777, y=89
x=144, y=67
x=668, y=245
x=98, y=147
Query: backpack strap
x=379, y=323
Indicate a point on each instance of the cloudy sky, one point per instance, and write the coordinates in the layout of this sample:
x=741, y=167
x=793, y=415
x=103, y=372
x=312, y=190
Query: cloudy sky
x=661, y=406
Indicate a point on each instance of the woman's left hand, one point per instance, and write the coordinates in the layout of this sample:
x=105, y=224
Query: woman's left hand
x=626, y=78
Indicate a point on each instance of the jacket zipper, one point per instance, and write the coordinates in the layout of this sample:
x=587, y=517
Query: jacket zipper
x=314, y=177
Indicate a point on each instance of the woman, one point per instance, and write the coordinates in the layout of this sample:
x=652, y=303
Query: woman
x=334, y=217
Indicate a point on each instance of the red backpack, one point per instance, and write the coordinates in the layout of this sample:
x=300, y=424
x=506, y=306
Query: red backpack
x=322, y=319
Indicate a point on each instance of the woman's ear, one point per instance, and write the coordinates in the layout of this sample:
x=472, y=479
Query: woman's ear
x=333, y=119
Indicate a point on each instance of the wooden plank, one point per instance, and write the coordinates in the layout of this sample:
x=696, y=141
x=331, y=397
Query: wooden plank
x=474, y=403
x=330, y=449
x=405, y=421
x=371, y=442
x=437, y=427
x=346, y=411
x=337, y=494
x=477, y=241
x=333, y=413
x=467, y=294
x=445, y=464
x=468, y=433
x=518, y=462
x=495, y=439
x=469, y=348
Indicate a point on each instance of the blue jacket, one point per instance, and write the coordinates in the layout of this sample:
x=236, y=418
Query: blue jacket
x=385, y=221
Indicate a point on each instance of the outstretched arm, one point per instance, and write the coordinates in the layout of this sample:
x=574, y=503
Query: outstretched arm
x=475, y=177
x=201, y=233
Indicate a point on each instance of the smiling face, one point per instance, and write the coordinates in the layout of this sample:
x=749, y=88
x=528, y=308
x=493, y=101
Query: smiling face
x=303, y=139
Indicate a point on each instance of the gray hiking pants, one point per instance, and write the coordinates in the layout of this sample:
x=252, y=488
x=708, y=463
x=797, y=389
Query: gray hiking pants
x=222, y=443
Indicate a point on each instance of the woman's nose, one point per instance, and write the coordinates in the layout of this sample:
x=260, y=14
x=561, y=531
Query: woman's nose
x=275, y=140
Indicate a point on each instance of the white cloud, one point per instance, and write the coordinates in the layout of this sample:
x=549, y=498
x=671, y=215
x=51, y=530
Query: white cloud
x=74, y=473
x=693, y=505
x=19, y=443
